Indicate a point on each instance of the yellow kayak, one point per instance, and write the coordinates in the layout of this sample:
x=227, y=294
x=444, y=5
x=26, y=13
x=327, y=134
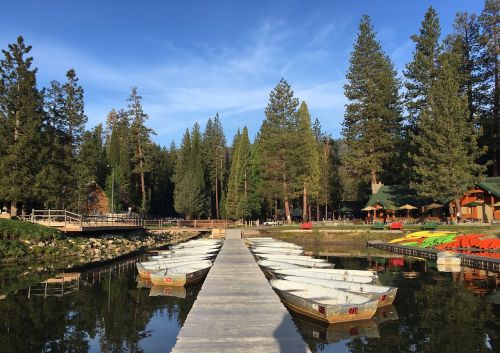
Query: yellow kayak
x=422, y=234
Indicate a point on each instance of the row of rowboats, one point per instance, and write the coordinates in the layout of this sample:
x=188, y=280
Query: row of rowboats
x=314, y=288
x=182, y=264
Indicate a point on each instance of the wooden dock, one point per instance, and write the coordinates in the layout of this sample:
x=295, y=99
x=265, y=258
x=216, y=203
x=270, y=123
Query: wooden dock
x=468, y=260
x=237, y=310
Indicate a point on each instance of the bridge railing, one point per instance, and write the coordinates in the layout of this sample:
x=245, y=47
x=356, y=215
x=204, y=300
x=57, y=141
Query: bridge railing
x=63, y=218
x=194, y=223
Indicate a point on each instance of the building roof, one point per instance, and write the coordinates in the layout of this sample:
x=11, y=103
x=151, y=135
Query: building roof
x=392, y=197
x=491, y=184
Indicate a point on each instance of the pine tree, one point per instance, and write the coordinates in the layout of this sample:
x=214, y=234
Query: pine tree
x=276, y=132
x=141, y=144
x=233, y=185
x=91, y=165
x=466, y=46
x=53, y=183
x=21, y=115
x=180, y=175
x=490, y=24
x=73, y=110
x=372, y=122
x=214, y=157
x=238, y=199
x=244, y=206
x=446, y=150
x=160, y=184
x=119, y=155
x=189, y=193
x=422, y=70
x=197, y=196
x=307, y=158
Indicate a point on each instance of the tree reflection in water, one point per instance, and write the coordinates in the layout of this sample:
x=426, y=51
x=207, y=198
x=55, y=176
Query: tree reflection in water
x=438, y=312
x=109, y=316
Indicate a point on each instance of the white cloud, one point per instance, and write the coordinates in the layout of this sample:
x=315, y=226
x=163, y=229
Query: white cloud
x=193, y=83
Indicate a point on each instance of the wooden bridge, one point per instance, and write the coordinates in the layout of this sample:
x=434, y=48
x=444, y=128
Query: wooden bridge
x=67, y=221
x=237, y=310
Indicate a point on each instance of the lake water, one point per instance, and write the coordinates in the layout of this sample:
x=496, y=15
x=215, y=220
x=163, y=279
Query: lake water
x=107, y=310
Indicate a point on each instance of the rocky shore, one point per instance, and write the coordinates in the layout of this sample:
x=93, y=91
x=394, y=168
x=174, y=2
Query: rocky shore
x=103, y=247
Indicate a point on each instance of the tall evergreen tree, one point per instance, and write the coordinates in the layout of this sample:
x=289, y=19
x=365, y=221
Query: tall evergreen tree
x=307, y=158
x=239, y=201
x=467, y=47
x=21, y=115
x=214, y=157
x=276, y=132
x=119, y=154
x=53, y=183
x=73, y=110
x=179, y=178
x=490, y=24
x=446, y=150
x=234, y=182
x=372, y=122
x=141, y=144
x=161, y=186
x=189, y=194
x=422, y=70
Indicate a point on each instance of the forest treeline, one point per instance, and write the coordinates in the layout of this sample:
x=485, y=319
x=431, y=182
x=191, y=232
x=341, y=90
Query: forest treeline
x=436, y=129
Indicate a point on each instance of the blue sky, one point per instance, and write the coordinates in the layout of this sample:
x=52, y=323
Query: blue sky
x=192, y=59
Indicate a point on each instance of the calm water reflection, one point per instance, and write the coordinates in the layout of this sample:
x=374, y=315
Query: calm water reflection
x=436, y=311
x=109, y=311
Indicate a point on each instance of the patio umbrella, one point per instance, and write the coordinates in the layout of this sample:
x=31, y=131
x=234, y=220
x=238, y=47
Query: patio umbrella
x=432, y=206
x=497, y=204
x=407, y=207
x=368, y=208
x=345, y=209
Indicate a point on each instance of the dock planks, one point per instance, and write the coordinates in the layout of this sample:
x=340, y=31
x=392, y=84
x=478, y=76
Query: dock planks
x=237, y=310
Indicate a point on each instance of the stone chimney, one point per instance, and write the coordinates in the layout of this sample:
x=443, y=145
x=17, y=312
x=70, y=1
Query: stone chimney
x=376, y=187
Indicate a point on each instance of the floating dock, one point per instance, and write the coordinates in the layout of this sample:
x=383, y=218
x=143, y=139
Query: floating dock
x=468, y=260
x=237, y=310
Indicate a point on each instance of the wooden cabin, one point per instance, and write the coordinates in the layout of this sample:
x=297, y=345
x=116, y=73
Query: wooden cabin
x=96, y=203
x=478, y=204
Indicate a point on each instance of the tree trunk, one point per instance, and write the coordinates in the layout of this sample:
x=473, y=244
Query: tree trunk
x=326, y=211
x=13, y=208
x=287, y=211
x=304, y=204
x=275, y=209
x=216, y=194
x=457, y=205
x=374, y=176
x=317, y=212
x=496, y=129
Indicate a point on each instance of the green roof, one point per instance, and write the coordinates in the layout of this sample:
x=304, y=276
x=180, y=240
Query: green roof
x=392, y=197
x=491, y=184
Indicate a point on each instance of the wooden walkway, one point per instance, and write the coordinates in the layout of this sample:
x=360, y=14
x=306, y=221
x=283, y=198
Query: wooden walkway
x=237, y=310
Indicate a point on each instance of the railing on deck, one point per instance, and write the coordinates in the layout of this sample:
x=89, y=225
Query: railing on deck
x=194, y=223
x=66, y=219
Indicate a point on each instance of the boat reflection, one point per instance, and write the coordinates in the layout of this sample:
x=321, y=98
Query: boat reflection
x=174, y=291
x=324, y=333
x=143, y=283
